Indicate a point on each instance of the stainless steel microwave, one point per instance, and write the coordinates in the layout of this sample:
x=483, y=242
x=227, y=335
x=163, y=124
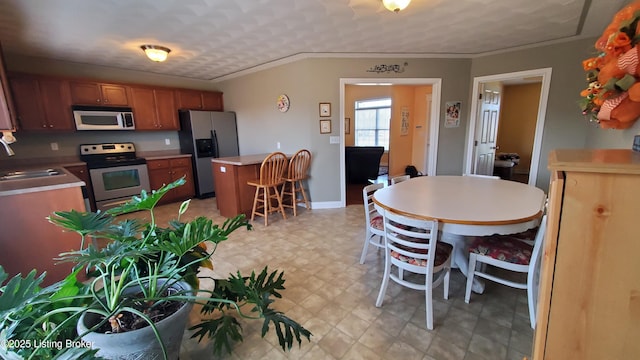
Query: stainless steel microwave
x=103, y=118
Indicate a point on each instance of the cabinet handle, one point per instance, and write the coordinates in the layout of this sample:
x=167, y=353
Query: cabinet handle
x=50, y=126
x=106, y=100
x=97, y=100
x=44, y=125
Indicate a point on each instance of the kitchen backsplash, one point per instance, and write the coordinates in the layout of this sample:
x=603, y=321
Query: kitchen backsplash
x=35, y=145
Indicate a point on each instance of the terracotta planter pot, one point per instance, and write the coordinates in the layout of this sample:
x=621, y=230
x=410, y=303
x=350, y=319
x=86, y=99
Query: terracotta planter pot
x=141, y=343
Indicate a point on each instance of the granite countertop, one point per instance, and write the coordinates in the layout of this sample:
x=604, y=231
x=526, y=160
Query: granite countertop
x=45, y=183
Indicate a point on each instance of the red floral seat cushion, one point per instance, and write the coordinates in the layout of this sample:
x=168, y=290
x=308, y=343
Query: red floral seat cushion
x=443, y=251
x=502, y=248
x=377, y=222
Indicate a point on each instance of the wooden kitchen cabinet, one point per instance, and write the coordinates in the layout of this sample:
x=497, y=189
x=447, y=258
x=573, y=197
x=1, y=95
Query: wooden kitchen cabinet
x=589, y=303
x=154, y=109
x=93, y=93
x=167, y=170
x=199, y=100
x=42, y=103
x=82, y=173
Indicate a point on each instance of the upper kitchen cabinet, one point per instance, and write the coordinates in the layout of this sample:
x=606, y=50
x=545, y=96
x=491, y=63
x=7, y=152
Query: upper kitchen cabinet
x=154, y=109
x=7, y=112
x=199, y=100
x=42, y=103
x=91, y=93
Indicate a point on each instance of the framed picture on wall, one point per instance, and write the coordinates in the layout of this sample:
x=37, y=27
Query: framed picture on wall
x=325, y=126
x=325, y=109
x=347, y=125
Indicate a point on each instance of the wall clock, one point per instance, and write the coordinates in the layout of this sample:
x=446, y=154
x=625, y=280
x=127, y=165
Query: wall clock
x=283, y=103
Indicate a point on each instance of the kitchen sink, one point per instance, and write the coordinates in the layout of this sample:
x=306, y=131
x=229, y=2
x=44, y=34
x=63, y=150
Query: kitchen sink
x=30, y=174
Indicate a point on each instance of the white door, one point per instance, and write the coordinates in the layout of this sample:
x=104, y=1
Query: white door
x=487, y=129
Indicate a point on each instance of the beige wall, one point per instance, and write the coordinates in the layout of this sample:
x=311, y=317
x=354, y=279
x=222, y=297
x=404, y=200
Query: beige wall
x=310, y=81
x=518, y=116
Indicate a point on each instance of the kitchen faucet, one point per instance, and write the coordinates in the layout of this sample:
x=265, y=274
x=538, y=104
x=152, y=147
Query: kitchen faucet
x=8, y=138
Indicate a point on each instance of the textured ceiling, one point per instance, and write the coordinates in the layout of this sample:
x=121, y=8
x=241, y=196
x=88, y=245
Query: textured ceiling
x=218, y=39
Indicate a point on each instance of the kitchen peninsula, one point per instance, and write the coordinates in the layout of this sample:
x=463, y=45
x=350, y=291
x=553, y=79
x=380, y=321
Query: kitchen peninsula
x=28, y=240
x=230, y=174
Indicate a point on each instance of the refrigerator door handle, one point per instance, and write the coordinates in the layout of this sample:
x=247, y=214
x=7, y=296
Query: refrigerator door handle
x=214, y=140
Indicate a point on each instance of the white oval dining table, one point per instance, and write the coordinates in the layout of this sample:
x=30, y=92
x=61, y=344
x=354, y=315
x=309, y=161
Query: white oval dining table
x=465, y=206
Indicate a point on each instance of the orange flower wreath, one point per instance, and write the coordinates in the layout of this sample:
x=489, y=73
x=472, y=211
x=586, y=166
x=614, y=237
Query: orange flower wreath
x=612, y=97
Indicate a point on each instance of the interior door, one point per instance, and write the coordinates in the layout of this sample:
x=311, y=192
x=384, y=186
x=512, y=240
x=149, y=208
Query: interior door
x=487, y=129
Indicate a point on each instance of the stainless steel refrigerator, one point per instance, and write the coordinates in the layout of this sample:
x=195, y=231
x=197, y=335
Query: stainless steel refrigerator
x=207, y=135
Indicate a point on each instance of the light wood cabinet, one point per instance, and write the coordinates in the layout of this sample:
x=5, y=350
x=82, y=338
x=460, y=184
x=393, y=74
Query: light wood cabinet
x=93, y=93
x=42, y=103
x=199, y=100
x=7, y=112
x=589, y=305
x=168, y=170
x=154, y=109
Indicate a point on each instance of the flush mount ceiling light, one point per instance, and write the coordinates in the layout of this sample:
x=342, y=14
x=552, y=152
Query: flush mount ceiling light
x=395, y=5
x=156, y=52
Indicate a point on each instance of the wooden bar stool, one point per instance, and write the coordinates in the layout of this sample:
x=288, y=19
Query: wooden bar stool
x=267, y=186
x=296, y=173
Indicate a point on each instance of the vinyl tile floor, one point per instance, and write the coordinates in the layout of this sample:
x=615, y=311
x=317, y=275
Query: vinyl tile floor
x=330, y=293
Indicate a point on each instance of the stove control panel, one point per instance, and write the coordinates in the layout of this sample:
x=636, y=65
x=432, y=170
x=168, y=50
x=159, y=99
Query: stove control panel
x=101, y=149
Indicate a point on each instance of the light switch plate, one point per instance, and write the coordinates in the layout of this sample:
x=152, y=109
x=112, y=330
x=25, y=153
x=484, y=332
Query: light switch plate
x=223, y=169
x=334, y=139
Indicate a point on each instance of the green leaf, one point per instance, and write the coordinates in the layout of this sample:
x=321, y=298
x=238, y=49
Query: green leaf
x=77, y=353
x=18, y=290
x=224, y=332
x=291, y=328
x=145, y=201
x=84, y=223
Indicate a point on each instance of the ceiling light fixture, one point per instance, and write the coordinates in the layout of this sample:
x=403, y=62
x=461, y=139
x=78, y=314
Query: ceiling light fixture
x=395, y=5
x=156, y=52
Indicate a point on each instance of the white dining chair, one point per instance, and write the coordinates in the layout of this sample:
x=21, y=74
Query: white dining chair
x=512, y=254
x=412, y=245
x=482, y=176
x=400, y=178
x=374, y=228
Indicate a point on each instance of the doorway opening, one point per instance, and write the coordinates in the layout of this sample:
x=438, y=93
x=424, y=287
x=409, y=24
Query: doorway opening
x=482, y=125
x=415, y=120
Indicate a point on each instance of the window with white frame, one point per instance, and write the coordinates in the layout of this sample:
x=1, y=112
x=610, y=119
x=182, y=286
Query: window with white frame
x=373, y=118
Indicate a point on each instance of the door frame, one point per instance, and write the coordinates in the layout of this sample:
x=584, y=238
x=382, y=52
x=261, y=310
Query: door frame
x=434, y=129
x=545, y=73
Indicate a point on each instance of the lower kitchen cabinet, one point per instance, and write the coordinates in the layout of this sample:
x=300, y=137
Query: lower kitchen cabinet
x=167, y=170
x=82, y=173
x=589, y=302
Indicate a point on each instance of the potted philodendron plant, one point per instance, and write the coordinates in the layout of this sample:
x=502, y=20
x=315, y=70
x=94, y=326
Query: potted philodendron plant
x=137, y=292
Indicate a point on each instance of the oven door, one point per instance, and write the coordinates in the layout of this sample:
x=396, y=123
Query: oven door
x=114, y=186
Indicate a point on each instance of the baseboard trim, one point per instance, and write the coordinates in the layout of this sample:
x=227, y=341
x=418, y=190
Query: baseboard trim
x=326, y=204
